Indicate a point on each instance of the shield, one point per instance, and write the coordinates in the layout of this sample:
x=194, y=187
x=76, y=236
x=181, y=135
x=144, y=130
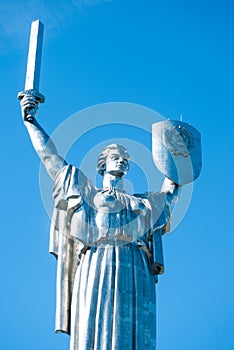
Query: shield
x=176, y=148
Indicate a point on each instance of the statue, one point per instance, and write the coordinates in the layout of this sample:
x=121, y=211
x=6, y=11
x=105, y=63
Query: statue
x=108, y=245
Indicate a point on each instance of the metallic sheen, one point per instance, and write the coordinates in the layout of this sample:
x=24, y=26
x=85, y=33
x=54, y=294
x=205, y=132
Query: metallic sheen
x=34, y=56
x=176, y=148
x=34, y=67
x=108, y=244
x=108, y=259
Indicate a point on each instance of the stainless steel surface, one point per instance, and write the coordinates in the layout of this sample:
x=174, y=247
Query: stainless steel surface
x=32, y=80
x=176, y=148
x=109, y=251
x=106, y=295
x=34, y=56
x=108, y=244
x=108, y=247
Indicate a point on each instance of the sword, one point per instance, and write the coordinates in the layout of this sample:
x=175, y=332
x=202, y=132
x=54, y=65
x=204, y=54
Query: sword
x=32, y=80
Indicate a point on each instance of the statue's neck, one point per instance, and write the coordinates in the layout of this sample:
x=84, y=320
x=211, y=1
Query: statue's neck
x=111, y=181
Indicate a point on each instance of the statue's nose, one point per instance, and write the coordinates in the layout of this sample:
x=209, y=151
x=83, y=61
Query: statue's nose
x=121, y=161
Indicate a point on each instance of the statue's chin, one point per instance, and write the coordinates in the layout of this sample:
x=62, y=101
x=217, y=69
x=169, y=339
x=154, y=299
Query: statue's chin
x=117, y=173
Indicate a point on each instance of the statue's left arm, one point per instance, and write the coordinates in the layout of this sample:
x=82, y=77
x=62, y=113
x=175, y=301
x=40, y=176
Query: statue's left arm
x=162, y=204
x=171, y=189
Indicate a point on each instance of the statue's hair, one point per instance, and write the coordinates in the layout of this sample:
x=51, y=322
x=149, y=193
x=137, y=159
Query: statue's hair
x=102, y=157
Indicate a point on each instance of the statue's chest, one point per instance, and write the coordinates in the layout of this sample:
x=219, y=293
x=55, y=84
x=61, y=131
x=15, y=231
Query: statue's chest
x=108, y=214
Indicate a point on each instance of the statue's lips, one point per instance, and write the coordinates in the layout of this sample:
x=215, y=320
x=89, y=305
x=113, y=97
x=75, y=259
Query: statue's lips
x=120, y=166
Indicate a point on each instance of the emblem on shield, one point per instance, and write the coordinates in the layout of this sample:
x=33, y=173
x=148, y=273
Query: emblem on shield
x=176, y=148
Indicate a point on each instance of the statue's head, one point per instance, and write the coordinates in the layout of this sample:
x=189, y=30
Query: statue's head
x=114, y=159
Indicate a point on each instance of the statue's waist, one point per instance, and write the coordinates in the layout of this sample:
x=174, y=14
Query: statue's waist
x=112, y=242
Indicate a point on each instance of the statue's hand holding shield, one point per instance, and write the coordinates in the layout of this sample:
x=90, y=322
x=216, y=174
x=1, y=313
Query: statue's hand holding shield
x=176, y=148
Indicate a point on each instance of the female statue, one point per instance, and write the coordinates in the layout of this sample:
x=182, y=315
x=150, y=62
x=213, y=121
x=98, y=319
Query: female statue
x=108, y=248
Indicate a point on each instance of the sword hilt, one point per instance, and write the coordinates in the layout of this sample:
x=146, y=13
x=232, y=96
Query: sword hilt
x=38, y=97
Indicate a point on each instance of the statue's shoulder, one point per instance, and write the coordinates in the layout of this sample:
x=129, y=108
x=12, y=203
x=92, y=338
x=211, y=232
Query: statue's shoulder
x=71, y=182
x=158, y=208
x=72, y=175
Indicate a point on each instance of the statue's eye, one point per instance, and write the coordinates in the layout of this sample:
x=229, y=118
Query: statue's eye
x=114, y=157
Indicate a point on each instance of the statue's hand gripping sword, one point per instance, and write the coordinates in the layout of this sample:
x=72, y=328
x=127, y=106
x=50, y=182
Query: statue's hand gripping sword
x=33, y=67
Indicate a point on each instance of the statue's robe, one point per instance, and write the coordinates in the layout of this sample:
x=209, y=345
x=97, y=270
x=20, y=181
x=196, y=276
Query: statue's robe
x=109, y=252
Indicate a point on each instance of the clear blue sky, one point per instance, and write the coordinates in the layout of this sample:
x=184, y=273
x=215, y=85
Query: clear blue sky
x=175, y=57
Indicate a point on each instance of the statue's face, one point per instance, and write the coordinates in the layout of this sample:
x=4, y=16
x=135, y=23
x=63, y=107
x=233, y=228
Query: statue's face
x=116, y=163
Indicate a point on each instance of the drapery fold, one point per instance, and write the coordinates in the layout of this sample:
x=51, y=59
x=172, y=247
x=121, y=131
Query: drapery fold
x=105, y=268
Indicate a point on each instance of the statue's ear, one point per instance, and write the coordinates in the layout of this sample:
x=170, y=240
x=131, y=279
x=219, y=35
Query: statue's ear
x=103, y=167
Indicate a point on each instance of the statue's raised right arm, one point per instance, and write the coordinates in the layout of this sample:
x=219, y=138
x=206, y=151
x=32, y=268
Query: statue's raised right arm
x=41, y=142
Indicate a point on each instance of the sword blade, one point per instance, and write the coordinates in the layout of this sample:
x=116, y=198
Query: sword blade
x=34, y=56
